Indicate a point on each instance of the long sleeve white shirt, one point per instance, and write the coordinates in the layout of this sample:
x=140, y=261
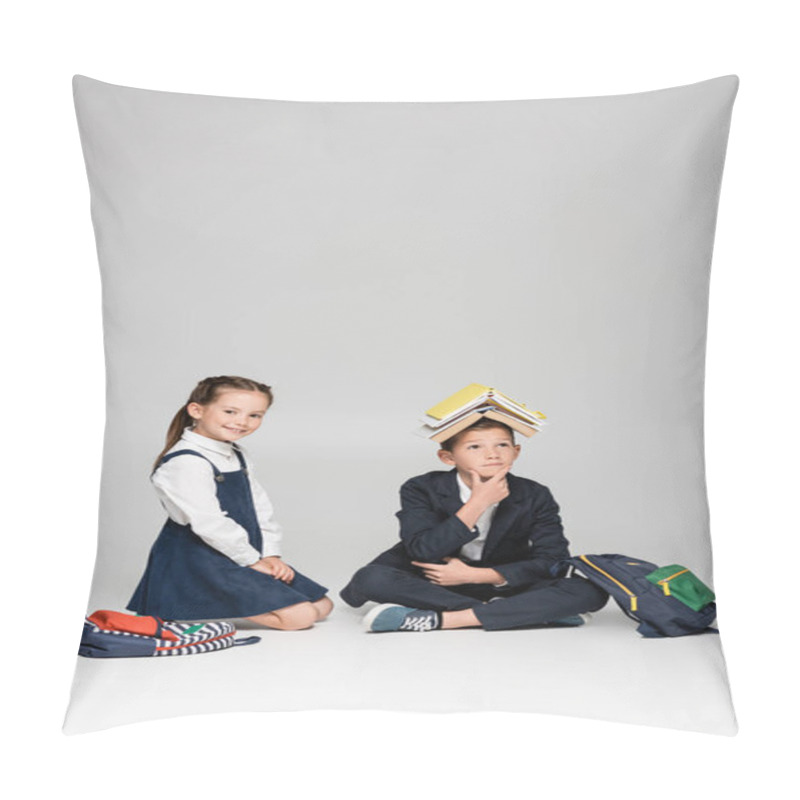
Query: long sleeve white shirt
x=186, y=487
x=474, y=549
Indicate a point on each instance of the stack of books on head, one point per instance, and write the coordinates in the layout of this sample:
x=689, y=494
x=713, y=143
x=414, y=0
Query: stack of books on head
x=473, y=403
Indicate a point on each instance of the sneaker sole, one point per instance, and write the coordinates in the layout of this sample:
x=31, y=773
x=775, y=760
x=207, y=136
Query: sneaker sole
x=369, y=617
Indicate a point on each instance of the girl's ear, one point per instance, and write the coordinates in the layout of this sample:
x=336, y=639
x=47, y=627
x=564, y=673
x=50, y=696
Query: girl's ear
x=195, y=410
x=446, y=457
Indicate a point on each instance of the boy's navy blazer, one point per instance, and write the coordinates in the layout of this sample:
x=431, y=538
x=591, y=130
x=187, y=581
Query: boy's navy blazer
x=525, y=540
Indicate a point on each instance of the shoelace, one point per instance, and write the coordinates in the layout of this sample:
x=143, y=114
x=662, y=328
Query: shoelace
x=418, y=622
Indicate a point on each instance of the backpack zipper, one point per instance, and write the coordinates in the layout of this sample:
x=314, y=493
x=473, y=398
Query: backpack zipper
x=664, y=582
x=624, y=588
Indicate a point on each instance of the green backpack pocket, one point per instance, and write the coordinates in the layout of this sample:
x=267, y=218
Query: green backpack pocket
x=683, y=585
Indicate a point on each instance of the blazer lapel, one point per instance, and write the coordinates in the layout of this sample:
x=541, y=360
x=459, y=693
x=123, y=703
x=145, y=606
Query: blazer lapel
x=447, y=489
x=504, y=517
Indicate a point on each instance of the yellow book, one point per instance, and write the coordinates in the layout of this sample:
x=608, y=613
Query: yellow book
x=458, y=400
x=442, y=434
x=452, y=430
x=513, y=422
x=475, y=395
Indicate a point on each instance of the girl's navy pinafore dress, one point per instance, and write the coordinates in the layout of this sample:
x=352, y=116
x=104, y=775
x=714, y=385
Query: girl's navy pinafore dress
x=186, y=579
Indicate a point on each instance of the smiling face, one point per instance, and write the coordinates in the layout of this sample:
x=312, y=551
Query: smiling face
x=232, y=415
x=485, y=450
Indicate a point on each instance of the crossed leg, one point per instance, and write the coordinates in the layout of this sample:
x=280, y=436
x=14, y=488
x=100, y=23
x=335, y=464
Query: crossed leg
x=552, y=600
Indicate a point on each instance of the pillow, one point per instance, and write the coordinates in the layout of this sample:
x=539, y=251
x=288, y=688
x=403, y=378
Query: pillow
x=367, y=260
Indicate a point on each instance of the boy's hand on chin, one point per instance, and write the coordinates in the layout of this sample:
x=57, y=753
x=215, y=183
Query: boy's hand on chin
x=492, y=490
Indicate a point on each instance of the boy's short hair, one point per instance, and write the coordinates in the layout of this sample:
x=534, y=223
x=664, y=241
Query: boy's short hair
x=481, y=424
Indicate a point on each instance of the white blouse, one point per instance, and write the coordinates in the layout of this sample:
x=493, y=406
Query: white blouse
x=186, y=488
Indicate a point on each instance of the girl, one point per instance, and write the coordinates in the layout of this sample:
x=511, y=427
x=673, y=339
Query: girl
x=218, y=554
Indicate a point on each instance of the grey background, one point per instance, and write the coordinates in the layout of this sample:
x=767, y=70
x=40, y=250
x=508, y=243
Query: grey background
x=369, y=259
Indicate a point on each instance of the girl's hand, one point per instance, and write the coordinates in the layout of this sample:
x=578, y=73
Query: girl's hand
x=452, y=573
x=273, y=566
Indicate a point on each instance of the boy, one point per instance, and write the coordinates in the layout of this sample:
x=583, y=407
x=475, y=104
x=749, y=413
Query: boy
x=477, y=544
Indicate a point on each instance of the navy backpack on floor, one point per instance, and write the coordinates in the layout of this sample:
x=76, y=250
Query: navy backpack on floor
x=665, y=601
x=114, y=634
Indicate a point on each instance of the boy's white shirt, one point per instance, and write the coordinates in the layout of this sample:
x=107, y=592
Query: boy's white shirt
x=474, y=550
x=186, y=488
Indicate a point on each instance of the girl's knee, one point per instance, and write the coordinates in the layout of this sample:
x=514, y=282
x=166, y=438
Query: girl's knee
x=296, y=618
x=323, y=607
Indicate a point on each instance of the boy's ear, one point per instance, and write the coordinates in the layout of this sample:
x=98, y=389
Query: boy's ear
x=446, y=457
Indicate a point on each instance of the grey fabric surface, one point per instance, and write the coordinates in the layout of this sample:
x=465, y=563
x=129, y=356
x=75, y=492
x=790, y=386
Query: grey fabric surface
x=369, y=259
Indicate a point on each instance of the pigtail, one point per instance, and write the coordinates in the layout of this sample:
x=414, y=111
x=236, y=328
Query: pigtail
x=204, y=393
x=180, y=421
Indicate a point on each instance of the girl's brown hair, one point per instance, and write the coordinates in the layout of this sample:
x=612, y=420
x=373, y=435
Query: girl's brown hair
x=204, y=393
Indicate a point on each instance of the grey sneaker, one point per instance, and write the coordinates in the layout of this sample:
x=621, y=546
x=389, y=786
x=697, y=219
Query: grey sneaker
x=391, y=617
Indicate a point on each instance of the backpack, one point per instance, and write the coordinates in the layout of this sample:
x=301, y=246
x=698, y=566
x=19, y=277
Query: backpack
x=665, y=601
x=112, y=634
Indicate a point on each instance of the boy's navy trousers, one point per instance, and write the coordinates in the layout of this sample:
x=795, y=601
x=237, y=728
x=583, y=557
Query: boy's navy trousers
x=495, y=608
